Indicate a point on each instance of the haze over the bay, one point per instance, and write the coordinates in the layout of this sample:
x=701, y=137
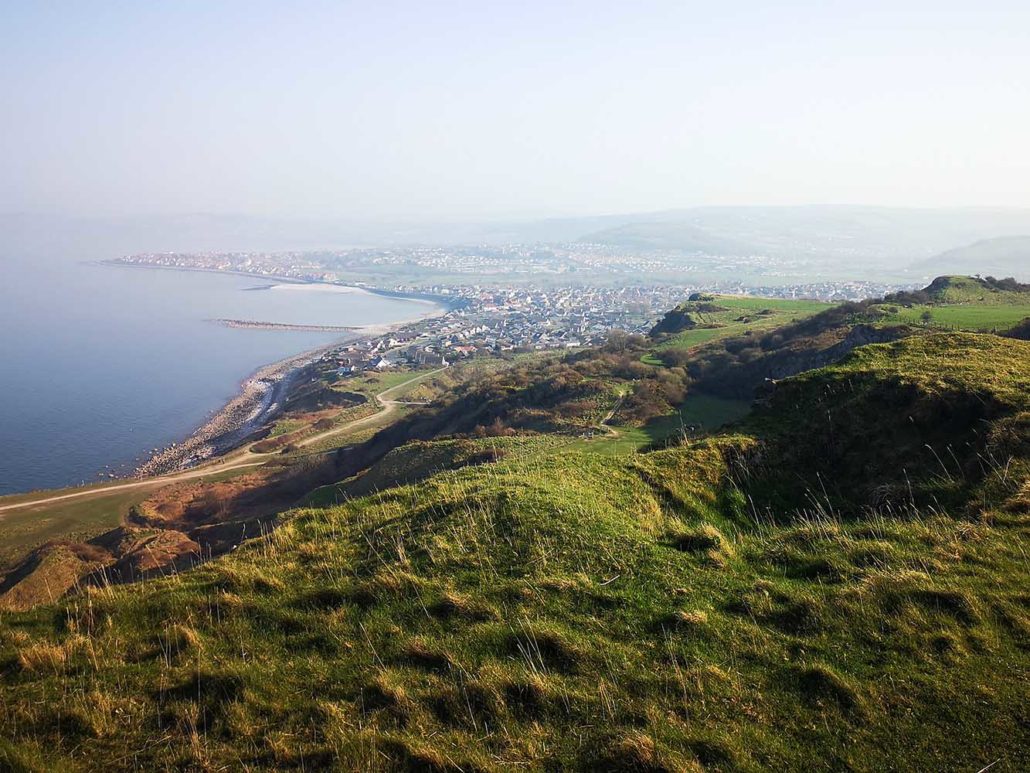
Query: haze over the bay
x=466, y=110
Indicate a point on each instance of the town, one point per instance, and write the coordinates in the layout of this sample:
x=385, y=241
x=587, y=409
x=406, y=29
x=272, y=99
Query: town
x=462, y=269
x=492, y=322
x=500, y=314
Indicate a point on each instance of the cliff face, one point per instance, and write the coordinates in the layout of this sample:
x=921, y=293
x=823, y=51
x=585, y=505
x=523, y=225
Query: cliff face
x=798, y=361
x=674, y=321
x=748, y=373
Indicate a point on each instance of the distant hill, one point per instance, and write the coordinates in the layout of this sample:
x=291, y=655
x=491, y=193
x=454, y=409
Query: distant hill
x=885, y=237
x=826, y=236
x=970, y=289
x=1001, y=256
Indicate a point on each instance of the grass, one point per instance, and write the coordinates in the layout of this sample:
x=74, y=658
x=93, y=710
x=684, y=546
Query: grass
x=697, y=414
x=372, y=383
x=962, y=303
x=286, y=426
x=584, y=605
x=962, y=317
x=738, y=314
x=558, y=611
x=78, y=519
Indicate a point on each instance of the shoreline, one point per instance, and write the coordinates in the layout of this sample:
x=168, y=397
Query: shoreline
x=258, y=401
x=261, y=395
x=445, y=301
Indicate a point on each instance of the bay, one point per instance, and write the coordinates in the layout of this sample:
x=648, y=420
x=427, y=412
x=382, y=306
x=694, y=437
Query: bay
x=100, y=364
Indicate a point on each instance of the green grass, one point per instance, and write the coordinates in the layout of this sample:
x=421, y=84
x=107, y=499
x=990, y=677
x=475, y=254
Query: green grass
x=372, y=383
x=963, y=363
x=699, y=413
x=963, y=317
x=545, y=611
x=970, y=290
x=286, y=426
x=760, y=313
x=79, y=519
x=962, y=303
x=738, y=602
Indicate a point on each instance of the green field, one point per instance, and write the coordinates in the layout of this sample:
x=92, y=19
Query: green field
x=757, y=313
x=963, y=316
x=78, y=519
x=699, y=413
x=961, y=303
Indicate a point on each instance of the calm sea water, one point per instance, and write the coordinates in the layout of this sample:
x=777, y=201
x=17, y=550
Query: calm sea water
x=100, y=364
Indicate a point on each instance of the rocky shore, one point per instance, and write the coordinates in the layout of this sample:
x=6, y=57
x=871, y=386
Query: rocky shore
x=261, y=400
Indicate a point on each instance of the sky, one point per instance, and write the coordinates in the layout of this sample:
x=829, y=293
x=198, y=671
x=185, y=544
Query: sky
x=442, y=109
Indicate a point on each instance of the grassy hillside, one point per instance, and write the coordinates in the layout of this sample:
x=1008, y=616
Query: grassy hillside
x=717, y=316
x=960, y=303
x=543, y=607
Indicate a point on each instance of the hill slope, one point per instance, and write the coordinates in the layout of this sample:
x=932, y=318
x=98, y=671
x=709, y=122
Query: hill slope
x=1001, y=256
x=549, y=608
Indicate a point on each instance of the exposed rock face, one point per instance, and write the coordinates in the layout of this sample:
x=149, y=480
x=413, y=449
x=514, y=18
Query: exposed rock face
x=810, y=359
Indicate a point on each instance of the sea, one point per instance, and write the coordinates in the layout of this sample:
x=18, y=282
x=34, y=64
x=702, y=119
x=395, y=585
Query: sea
x=102, y=364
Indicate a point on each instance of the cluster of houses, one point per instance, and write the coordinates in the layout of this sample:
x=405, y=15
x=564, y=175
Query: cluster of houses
x=491, y=321
x=383, y=354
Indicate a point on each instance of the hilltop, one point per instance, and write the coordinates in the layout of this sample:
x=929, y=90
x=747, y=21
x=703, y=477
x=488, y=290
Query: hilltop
x=1001, y=256
x=566, y=562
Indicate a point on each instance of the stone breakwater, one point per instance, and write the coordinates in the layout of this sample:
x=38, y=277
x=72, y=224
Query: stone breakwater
x=253, y=325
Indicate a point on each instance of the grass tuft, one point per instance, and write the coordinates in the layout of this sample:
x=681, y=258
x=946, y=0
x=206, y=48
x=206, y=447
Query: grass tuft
x=821, y=686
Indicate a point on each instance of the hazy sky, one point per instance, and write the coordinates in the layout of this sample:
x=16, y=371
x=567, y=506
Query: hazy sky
x=448, y=109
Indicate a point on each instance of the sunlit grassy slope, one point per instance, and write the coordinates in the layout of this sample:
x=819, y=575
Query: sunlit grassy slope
x=963, y=303
x=720, y=316
x=547, y=608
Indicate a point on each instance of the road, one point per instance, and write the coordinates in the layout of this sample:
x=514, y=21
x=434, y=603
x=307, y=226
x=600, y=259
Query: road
x=387, y=405
x=235, y=460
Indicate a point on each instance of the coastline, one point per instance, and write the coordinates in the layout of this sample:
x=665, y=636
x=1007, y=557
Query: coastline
x=262, y=395
x=258, y=402
x=445, y=301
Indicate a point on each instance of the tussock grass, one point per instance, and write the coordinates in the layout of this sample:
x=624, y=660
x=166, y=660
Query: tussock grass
x=552, y=609
x=43, y=656
x=821, y=686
